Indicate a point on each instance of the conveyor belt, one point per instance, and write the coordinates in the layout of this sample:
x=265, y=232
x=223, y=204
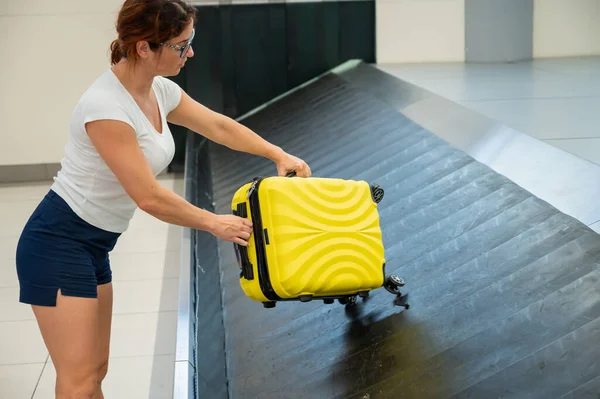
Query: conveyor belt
x=504, y=289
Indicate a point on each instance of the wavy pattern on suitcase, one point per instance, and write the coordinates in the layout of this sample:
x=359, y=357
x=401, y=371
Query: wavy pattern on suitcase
x=325, y=236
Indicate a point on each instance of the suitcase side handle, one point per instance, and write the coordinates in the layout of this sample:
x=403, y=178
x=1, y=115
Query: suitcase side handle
x=241, y=252
x=291, y=173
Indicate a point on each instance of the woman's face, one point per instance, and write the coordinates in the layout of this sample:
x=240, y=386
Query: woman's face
x=175, y=53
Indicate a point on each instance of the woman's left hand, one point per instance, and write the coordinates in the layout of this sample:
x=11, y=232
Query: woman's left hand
x=290, y=163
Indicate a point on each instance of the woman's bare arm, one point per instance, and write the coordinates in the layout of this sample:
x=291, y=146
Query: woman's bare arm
x=226, y=131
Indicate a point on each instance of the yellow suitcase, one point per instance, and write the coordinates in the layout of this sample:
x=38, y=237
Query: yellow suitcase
x=313, y=238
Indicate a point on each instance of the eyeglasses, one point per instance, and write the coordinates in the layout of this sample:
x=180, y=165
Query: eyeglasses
x=185, y=48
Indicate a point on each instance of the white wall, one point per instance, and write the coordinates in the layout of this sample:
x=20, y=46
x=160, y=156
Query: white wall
x=420, y=31
x=51, y=52
x=433, y=30
x=566, y=28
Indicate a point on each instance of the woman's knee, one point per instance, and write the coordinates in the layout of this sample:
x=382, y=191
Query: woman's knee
x=77, y=386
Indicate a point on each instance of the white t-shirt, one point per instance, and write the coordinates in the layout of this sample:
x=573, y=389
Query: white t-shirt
x=85, y=182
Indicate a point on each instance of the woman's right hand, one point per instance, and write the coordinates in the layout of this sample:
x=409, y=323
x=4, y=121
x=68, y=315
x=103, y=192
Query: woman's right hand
x=232, y=228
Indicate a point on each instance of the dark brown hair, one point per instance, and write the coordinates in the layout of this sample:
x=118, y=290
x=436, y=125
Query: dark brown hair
x=155, y=21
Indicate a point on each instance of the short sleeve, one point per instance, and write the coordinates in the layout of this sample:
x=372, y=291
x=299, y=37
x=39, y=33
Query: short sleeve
x=170, y=93
x=98, y=106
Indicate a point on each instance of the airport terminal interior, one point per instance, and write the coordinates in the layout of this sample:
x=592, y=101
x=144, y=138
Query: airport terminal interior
x=489, y=158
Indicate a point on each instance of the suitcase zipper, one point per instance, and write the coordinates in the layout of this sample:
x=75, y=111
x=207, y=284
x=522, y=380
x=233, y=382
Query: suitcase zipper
x=263, y=270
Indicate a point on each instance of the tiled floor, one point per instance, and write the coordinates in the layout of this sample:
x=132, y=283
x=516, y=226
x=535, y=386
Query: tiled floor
x=145, y=267
x=556, y=100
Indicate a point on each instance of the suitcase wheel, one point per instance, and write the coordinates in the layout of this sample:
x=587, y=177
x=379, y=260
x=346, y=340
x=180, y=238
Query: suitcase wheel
x=377, y=193
x=348, y=300
x=392, y=283
x=269, y=305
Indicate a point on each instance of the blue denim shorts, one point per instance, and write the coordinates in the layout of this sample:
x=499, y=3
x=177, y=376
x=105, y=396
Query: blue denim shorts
x=59, y=250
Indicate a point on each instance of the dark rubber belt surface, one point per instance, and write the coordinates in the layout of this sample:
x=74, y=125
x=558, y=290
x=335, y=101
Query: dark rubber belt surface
x=504, y=289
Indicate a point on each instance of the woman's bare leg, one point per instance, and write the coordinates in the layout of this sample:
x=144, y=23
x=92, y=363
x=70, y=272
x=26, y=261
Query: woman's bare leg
x=105, y=307
x=70, y=332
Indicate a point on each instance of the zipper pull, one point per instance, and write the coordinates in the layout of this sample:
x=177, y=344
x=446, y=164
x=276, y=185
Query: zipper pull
x=252, y=187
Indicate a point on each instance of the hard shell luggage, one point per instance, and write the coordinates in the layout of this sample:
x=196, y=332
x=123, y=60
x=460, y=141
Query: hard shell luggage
x=313, y=238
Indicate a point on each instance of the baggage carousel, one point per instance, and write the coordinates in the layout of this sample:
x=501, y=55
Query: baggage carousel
x=487, y=227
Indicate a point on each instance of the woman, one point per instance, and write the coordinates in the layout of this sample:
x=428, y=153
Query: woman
x=119, y=141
